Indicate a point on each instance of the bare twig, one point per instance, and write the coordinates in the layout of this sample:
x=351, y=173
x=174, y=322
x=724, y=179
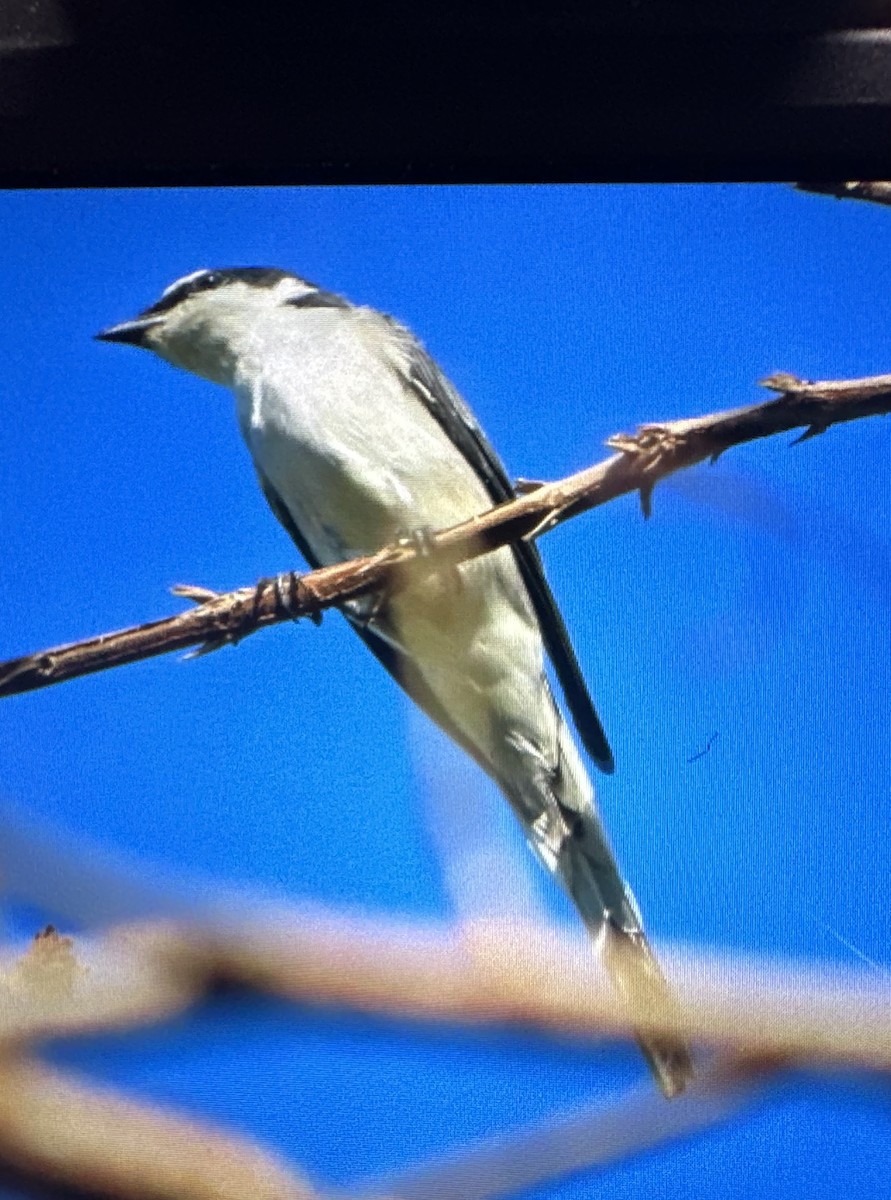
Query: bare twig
x=56, y=1130
x=497, y=972
x=878, y=191
x=61, y=1133
x=65, y=1136
x=504, y=972
x=599, y=1136
x=58, y=987
x=644, y=458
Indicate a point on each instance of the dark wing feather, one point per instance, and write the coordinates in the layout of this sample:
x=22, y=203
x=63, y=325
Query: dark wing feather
x=446, y=405
x=280, y=509
x=389, y=656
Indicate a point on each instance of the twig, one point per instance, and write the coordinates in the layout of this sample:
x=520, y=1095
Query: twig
x=58, y=987
x=599, y=1136
x=878, y=191
x=503, y=972
x=494, y=972
x=488, y=972
x=702, y=753
x=645, y=457
x=56, y=1131
x=59, y=1131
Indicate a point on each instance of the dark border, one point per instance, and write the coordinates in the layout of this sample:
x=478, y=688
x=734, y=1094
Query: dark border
x=150, y=92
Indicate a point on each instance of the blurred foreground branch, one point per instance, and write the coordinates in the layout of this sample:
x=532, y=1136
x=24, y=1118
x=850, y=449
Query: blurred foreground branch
x=72, y=1134
x=643, y=458
x=596, y=1137
x=499, y=972
x=71, y=1138
x=64, y=1133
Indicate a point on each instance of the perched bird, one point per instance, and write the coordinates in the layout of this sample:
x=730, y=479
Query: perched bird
x=359, y=439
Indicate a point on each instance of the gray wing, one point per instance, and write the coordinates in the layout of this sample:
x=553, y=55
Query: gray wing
x=400, y=665
x=456, y=419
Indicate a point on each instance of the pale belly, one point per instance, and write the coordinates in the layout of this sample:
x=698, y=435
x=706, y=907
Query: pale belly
x=356, y=478
x=381, y=471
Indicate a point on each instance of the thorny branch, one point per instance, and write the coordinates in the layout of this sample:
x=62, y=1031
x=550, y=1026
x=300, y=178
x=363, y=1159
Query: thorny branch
x=643, y=458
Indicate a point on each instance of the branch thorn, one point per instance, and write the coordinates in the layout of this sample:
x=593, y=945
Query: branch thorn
x=646, y=500
x=524, y=487
x=195, y=593
x=782, y=381
x=810, y=432
x=210, y=646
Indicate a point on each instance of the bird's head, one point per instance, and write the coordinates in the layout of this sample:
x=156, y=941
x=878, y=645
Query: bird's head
x=200, y=321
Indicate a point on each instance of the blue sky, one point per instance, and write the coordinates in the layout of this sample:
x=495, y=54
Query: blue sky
x=753, y=606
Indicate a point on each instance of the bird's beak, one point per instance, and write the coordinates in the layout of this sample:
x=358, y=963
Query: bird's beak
x=132, y=333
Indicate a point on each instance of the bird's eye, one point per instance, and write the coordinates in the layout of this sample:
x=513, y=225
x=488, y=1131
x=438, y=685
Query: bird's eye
x=204, y=283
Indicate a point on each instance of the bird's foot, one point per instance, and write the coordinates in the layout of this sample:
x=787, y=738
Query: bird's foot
x=447, y=576
x=286, y=587
x=420, y=539
x=433, y=584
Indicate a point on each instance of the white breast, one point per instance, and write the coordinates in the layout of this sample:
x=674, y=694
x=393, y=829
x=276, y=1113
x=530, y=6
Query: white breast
x=358, y=460
x=351, y=451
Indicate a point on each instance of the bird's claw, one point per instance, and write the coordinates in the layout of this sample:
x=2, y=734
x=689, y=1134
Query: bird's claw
x=285, y=585
x=423, y=541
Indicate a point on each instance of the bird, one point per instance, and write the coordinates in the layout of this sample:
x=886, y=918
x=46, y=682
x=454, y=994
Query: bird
x=358, y=440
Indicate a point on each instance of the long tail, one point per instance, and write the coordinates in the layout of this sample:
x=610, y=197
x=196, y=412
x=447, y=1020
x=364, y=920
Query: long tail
x=628, y=957
x=567, y=835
